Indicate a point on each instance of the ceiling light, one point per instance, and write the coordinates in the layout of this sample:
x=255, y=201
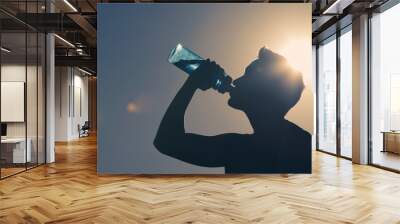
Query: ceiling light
x=70, y=5
x=326, y=11
x=337, y=7
x=5, y=50
x=79, y=51
x=84, y=71
x=65, y=41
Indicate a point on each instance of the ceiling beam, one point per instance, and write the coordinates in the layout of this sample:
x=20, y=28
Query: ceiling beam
x=81, y=61
x=337, y=7
x=86, y=26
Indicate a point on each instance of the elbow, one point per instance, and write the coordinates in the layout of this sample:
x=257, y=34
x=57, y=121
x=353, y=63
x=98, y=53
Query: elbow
x=167, y=145
x=161, y=145
x=167, y=139
x=157, y=143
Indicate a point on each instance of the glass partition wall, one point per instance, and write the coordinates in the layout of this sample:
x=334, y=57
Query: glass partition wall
x=13, y=86
x=22, y=98
x=334, y=93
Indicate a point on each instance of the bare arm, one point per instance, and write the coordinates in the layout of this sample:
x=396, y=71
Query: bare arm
x=172, y=139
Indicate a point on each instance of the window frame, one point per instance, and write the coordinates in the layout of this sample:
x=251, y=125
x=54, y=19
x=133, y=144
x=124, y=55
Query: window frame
x=334, y=37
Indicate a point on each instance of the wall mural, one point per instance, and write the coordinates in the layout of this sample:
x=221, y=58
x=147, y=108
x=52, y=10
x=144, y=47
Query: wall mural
x=244, y=106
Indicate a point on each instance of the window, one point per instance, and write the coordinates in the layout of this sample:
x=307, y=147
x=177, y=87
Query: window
x=346, y=92
x=385, y=89
x=394, y=102
x=327, y=96
x=334, y=106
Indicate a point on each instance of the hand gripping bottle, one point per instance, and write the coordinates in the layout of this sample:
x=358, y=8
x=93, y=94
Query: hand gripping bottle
x=188, y=61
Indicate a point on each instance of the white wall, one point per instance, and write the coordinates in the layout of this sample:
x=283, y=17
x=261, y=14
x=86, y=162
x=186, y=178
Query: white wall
x=62, y=81
x=16, y=73
x=79, y=117
x=69, y=84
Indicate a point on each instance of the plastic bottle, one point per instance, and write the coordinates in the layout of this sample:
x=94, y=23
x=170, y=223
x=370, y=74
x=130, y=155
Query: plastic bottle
x=188, y=61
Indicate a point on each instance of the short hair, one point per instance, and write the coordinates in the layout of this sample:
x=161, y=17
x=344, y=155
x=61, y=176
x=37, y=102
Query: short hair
x=291, y=79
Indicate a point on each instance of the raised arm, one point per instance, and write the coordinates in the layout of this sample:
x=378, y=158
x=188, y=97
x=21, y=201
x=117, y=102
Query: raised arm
x=171, y=138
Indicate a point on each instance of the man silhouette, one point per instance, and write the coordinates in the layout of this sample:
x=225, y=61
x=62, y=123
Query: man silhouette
x=265, y=93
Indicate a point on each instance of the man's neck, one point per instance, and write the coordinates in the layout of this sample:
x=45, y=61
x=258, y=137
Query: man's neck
x=267, y=123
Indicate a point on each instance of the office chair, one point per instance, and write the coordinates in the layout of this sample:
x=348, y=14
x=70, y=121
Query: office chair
x=84, y=130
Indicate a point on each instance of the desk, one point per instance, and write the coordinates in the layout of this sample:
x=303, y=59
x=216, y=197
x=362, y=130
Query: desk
x=391, y=141
x=13, y=150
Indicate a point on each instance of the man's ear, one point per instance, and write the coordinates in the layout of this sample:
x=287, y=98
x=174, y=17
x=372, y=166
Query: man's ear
x=263, y=53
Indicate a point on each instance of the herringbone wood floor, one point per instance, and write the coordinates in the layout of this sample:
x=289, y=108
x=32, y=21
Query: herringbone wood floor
x=70, y=191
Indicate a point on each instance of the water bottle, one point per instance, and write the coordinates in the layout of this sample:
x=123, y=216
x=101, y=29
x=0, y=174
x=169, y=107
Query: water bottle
x=188, y=61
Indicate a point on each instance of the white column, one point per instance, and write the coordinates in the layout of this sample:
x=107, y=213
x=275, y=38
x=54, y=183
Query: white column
x=50, y=92
x=360, y=90
x=50, y=99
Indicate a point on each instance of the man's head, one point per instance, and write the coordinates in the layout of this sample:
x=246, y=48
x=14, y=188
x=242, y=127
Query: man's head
x=269, y=85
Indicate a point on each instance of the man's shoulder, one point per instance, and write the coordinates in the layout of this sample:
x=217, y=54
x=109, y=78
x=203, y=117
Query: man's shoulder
x=233, y=139
x=234, y=136
x=297, y=131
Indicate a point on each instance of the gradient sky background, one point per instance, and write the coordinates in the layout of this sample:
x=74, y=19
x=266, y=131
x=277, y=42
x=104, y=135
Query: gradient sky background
x=136, y=82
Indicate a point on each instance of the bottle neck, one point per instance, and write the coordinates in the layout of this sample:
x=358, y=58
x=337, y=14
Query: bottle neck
x=223, y=84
